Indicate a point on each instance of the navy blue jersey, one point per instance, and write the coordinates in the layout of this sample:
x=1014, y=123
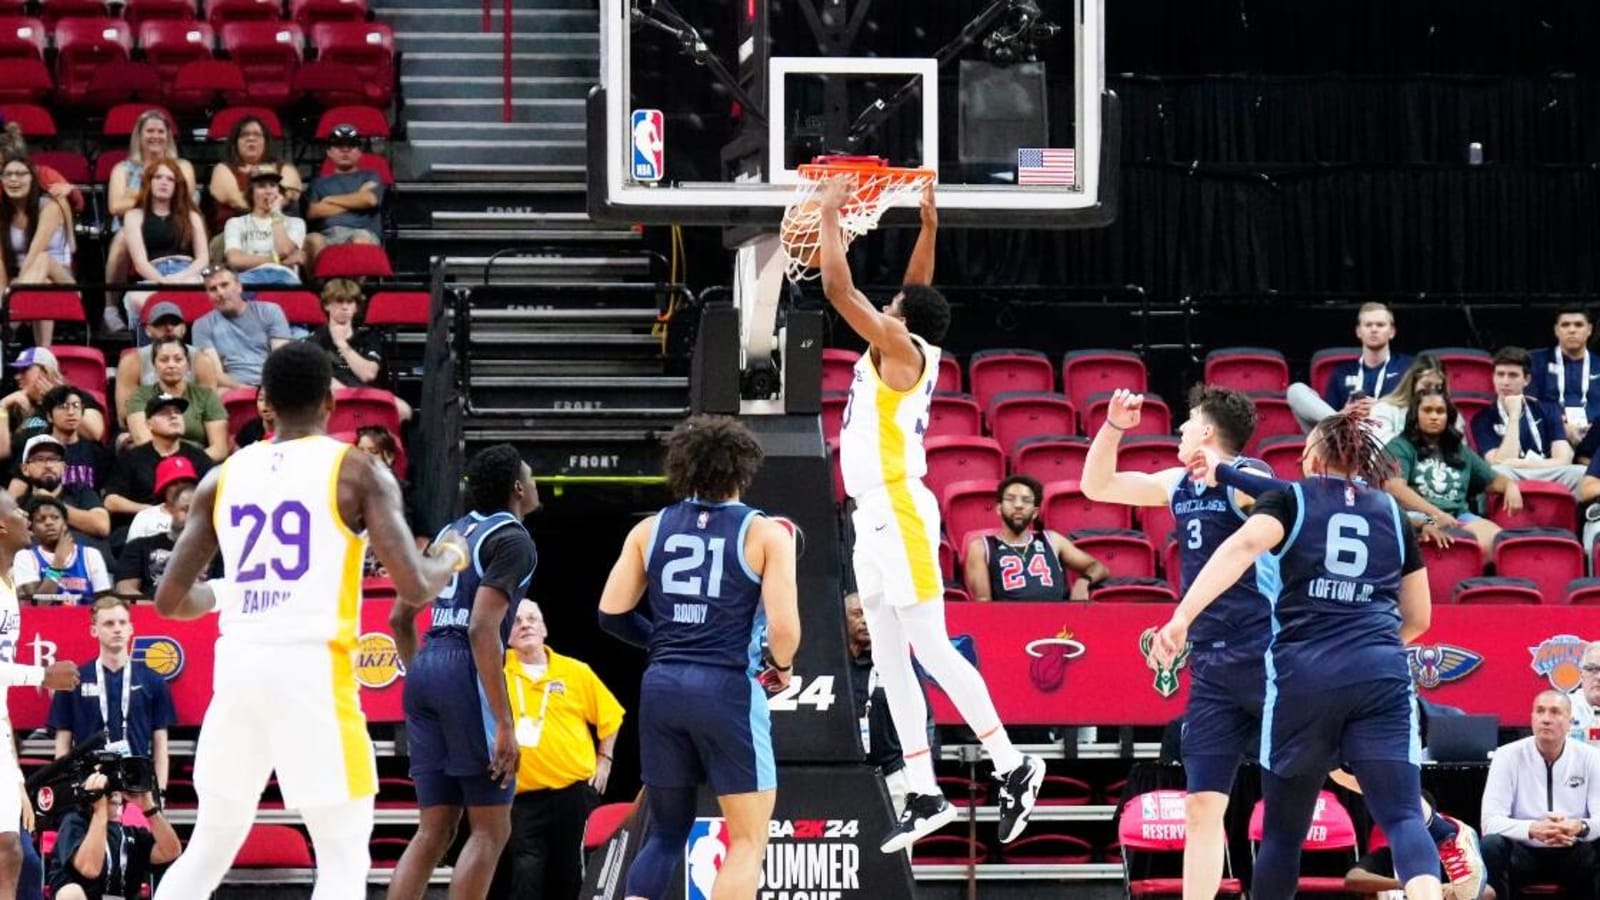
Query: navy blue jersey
x=1336, y=615
x=1206, y=517
x=503, y=557
x=1029, y=571
x=703, y=598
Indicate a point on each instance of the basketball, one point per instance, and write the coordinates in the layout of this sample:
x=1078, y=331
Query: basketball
x=799, y=232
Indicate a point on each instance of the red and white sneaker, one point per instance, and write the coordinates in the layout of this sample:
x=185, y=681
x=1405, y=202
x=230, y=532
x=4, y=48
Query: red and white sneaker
x=1464, y=876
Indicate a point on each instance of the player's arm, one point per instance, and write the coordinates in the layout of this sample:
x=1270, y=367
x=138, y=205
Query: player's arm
x=1102, y=482
x=882, y=331
x=919, y=269
x=1416, y=601
x=509, y=561
x=160, y=756
x=63, y=742
x=1245, y=482
x=1260, y=533
x=1091, y=571
x=619, y=602
x=774, y=545
x=179, y=595
x=1360, y=881
x=975, y=571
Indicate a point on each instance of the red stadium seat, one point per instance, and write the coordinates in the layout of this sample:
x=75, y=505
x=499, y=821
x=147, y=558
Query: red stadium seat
x=34, y=120
x=953, y=414
x=274, y=847
x=947, y=559
x=1124, y=551
x=358, y=408
x=169, y=43
x=1247, y=369
x=373, y=161
x=949, y=371
x=1497, y=591
x=193, y=305
x=1133, y=590
x=138, y=12
x=83, y=45
x=1548, y=557
x=953, y=594
x=1065, y=509
x=399, y=308
x=1583, y=592
x=72, y=165
x=1323, y=362
x=122, y=118
x=1545, y=504
x=353, y=261
x=1147, y=453
x=26, y=81
x=833, y=403
x=368, y=47
x=1085, y=373
x=838, y=475
x=1467, y=369
x=53, y=11
x=239, y=402
x=372, y=123
x=267, y=53
x=838, y=369
x=1152, y=824
x=604, y=822
x=948, y=850
x=1154, y=416
x=1172, y=564
x=1274, y=418
x=953, y=459
x=1332, y=833
x=1061, y=790
x=1051, y=458
x=993, y=372
x=1449, y=566
x=222, y=124
x=1470, y=403
x=123, y=81
x=51, y=303
x=1048, y=849
x=83, y=367
x=1014, y=415
x=299, y=307
x=22, y=37
x=309, y=12
x=327, y=84
x=1283, y=454
x=107, y=162
x=968, y=505
x=222, y=12
x=206, y=83
x=1157, y=523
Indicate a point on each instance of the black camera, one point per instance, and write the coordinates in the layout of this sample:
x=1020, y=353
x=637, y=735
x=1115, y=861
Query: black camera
x=58, y=787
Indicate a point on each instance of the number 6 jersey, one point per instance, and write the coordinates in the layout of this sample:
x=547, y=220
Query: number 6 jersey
x=704, y=600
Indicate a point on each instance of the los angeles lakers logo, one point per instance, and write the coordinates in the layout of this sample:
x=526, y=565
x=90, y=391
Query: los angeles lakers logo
x=377, y=660
x=161, y=654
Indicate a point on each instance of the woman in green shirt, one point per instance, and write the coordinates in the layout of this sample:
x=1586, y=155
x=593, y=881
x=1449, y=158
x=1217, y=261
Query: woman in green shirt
x=204, y=423
x=1440, y=476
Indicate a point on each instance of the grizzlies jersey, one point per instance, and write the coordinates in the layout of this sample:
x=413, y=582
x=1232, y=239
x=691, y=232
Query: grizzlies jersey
x=1207, y=516
x=880, y=438
x=1336, y=619
x=1030, y=571
x=703, y=598
x=452, y=609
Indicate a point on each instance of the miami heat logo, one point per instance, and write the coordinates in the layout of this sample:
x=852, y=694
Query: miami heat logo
x=1048, y=671
x=1167, y=682
x=1557, y=658
x=1435, y=664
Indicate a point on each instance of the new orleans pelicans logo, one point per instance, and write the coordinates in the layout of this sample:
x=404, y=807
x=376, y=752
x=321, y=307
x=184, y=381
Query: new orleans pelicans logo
x=1435, y=664
x=1166, y=682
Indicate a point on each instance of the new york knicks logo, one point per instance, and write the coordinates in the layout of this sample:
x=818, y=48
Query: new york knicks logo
x=377, y=660
x=1166, y=682
x=1435, y=664
x=161, y=654
x=703, y=854
x=1557, y=659
x=1048, y=671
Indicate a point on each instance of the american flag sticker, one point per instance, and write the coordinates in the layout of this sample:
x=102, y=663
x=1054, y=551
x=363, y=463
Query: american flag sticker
x=1047, y=165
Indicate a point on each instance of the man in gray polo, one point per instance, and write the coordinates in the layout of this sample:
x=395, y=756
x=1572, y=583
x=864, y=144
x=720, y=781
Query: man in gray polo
x=238, y=333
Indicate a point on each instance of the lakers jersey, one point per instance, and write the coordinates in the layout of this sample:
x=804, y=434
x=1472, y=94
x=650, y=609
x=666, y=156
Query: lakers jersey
x=10, y=636
x=880, y=438
x=293, y=565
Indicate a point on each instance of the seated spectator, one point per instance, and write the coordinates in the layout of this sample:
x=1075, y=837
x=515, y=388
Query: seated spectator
x=1537, y=449
x=56, y=566
x=51, y=181
x=880, y=742
x=238, y=333
x=1440, y=477
x=44, y=461
x=86, y=460
x=1387, y=415
x=38, y=372
x=356, y=353
x=1586, y=699
x=172, y=473
x=377, y=441
x=1024, y=560
x=263, y=245
x=144, y=559
x=37, y=248
x=205, y=422
x=165, y=319
x=1459, y=854
x=345, y=204
x=249, y=148
x=1564, y=374
x=132, y=485
x=1375, y=373
x=1541, y=806
x=152, y=140
x=165, y=235
x=261, y=428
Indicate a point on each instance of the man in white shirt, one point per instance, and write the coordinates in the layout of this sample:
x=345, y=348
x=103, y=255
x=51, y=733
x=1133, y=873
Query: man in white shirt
x=1586, y=699
x=1541, y=806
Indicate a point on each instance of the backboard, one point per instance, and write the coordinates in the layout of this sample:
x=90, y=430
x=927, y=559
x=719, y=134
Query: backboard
x=706, y=108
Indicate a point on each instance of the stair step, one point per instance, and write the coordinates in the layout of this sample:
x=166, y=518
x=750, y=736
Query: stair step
x=567, y=316
x=569, y=450
x=533, y=110
x=501, y=239
x=545, y=392
x=484, y=62
x=499, y=190
x=564, y=87
x=531, y=269
x=466, y=19
x=521, y=132
x=533, y=221
x=525, y=173
x=625, y=341
x=426, y=153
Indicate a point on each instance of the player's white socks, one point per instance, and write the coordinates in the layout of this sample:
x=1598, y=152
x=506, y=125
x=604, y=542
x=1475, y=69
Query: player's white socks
x=340, y=835
x=219, y=832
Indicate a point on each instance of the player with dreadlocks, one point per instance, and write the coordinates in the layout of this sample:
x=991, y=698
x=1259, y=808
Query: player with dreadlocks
x=1351, y=593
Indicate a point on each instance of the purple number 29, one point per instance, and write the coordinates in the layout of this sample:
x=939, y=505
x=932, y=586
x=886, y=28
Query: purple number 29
x=291, y=527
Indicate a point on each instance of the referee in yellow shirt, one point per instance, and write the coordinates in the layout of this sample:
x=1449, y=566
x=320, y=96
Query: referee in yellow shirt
x=555, y=701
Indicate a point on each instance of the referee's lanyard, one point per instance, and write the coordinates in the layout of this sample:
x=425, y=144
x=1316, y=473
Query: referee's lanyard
x=1533, y=426
x=866, y=711
x=1561, y=379
x=529, y=730
x=120, y=745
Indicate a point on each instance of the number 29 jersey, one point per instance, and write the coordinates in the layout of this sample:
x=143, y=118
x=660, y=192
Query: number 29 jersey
x=293, y=567
x=703, y=599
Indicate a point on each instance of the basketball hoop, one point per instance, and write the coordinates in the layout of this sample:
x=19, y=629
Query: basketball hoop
x=874, y=187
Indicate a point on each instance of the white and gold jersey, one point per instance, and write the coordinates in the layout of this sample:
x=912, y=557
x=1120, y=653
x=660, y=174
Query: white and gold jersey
x=880, y=440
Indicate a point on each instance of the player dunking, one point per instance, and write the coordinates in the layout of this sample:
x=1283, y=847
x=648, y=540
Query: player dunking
x=897, y=527
x=1351, y=593
x=288, y=516
x=717, y=576
x=1223, y=719
x=458, y=716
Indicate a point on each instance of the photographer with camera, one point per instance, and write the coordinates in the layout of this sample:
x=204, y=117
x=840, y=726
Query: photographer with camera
x=97, y=856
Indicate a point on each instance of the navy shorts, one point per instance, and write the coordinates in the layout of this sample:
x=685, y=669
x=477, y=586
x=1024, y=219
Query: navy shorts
x=449, y=729
x=1222, y=723
x=1370, y=721
x=704, y=725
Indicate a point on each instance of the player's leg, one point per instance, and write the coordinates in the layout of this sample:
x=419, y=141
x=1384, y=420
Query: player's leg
x=1221, y=724
x=490, y=825
x=1290, y=803
x=436, y=831
x=669, y=816
x=340, y=834
x=670, y=768
x=221, y=825
x=1393, y=791
x=748, y=817
x=11, y=851
x=10, y=864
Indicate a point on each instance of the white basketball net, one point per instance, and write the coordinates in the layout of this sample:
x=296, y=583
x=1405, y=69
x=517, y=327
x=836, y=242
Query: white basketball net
x=871, y=192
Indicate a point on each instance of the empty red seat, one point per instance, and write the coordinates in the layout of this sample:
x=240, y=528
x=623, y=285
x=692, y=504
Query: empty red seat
x=833, y=403
x=1331, y=833
x=1274, y=418
x=205, y=83
x=947, y=558
x=1157, y=523
x=353, y=261
x=1147, y=453
x=1053, y=458
x=993, y=372
x=1247, y=369
x=358, y=408
x=83, y=45
x=1496, y=591
x=1471, y=403
x=267, y=52
x=838, y=369
x=949, y=370
x=1584, y=592
x=34, y=120
x=1066, y=509
x=300, y=307
x=83, y=367
x=1154, y=416
x=240, y=404
x=969, y=505
x=309, y=12
x=121, y=81
x=326, y=83
x=22, y=37
x=368, y=47
x=192, y=304
x=1048, y=849
x=106, y=162
x=604, y=822
x=370, y=122
x=1152, y=825
x=169, y=43
x=399, y=308
x=838, y=475
x=72, y=165
x=1283, y=454
x=44, y=303
x=953, y=414
x=138, y=12
x=1124, y=551
x=1545, y=504
x=953, y=459
x=274, y=847
x=1085, y=373
x=1548, y=557
x=948, y=850
x=53, y=11
x=1134, y=590
x=222, y=12
x=26, y=81
x=122, y=118
x=1014, y=415
x=1467, y=369
x=1172, y=564
x=1452, y=565
x=1323, y=362
x=223, y=123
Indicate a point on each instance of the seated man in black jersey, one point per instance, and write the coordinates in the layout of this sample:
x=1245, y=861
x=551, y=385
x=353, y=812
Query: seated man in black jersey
x=1024, y=560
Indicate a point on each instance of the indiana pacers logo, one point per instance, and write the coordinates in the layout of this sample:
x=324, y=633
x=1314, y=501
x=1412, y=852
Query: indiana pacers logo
x=377, y=660
x=161, y=654
x=1167, y=682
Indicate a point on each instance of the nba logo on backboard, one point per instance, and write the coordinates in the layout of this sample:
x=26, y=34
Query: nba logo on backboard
x=703, y=854
x=649, y=162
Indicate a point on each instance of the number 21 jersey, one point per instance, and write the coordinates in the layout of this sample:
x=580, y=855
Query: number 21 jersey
x=704, y=600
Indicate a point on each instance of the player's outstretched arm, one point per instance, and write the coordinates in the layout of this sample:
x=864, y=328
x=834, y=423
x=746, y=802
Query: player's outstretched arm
x=1258, y=535
x=619, y=602
x=177, y=594
x=919, y=269
x=885, y=332
x=417, y=577
x=1416, y=604
x=1102, y=482
x=779, y=594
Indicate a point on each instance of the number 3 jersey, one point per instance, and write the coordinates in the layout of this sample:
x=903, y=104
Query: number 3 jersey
x=293, y=565
x=703, y=598
x=1205, y=517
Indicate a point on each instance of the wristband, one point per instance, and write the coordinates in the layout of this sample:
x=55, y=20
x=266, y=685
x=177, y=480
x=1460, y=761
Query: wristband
x=778, y=668
x=604, y=756
x=152, y=812
x=1112, y=424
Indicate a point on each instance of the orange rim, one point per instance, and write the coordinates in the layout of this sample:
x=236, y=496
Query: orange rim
x=868, y=193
